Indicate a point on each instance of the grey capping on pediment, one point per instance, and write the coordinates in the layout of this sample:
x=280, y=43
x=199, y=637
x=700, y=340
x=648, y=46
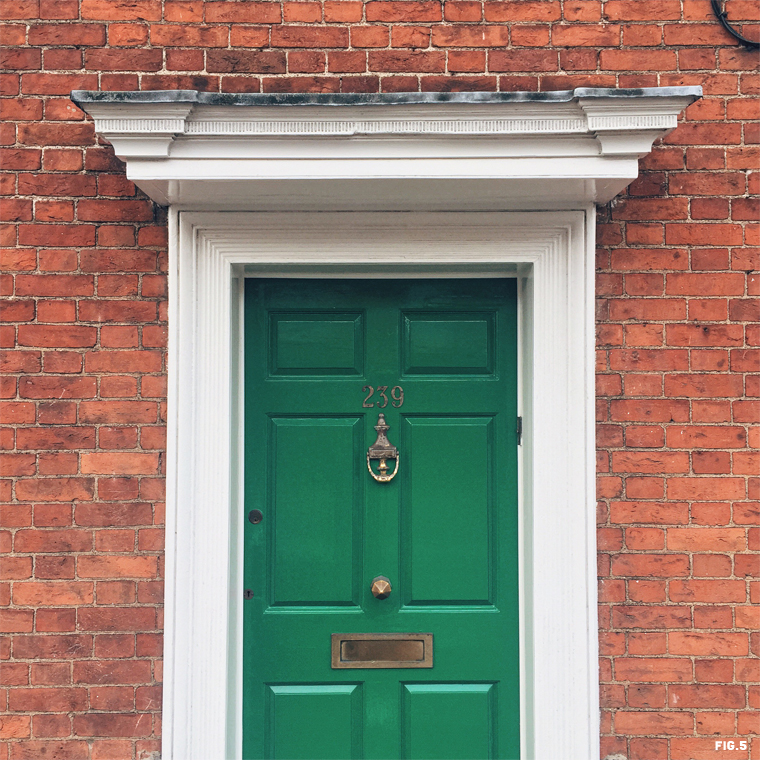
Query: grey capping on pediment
x=85, y=97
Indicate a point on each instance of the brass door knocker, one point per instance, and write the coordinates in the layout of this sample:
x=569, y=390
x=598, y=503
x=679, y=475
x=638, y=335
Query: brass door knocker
x=383, y=450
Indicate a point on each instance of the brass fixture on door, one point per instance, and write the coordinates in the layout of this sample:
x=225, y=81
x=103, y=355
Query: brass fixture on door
x=381, y=587
x=383, y=450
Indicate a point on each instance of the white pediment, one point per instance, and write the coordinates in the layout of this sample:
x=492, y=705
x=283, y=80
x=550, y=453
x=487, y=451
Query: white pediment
x=422, y=151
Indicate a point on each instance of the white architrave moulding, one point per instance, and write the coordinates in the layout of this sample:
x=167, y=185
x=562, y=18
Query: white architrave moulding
x=550, y=254
x=455, y=163
x=478, y=151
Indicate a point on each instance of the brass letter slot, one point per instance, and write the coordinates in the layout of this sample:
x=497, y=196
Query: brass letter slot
x=382, y=650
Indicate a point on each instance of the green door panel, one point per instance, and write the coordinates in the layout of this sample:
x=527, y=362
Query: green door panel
x=305, y=500
x=446, y=506
x=448, y=721
x=440, y=344
x=315, y=722
x=317, y=343
x=322, y=360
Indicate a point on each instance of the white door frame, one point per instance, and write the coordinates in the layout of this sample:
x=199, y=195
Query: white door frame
x=552, y=255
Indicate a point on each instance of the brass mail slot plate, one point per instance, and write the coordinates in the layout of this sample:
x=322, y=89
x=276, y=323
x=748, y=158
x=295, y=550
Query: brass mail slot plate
x=382, y=650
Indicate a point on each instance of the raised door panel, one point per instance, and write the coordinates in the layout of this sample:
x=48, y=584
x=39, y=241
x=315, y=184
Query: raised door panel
x=307, y=343
x=315, y=528
x=449, y=721
x=447, y=507
x=448, y=343
x=315, y=722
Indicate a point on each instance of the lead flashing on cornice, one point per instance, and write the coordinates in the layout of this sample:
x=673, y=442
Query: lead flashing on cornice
x=85, y=97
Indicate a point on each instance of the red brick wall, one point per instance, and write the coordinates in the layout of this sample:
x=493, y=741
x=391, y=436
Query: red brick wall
x=83, y=339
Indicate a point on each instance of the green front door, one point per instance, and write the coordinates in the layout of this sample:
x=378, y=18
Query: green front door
x=322, y=360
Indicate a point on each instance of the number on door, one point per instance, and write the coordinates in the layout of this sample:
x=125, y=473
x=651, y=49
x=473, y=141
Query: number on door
x=396, y=396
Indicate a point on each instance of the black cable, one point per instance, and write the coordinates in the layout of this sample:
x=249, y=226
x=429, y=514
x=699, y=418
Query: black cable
x=721, y=15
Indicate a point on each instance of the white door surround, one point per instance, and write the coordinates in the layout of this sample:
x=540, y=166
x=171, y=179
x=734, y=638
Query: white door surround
x=382, y=186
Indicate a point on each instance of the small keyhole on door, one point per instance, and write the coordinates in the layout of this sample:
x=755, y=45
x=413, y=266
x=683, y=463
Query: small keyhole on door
x=255, y=516
x=248, y=594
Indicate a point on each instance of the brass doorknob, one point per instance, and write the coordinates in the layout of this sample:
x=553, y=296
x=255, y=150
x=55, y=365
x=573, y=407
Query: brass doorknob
x=381, y=587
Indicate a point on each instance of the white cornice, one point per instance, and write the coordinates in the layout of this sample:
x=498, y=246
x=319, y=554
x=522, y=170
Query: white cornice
x=521, y=148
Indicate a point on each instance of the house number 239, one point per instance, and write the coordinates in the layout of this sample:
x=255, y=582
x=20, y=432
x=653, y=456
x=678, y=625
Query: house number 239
x=397, y=396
